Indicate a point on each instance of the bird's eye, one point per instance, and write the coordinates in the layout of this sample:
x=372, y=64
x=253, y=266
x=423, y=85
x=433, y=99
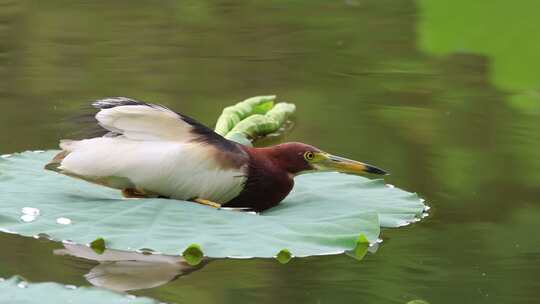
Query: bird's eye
x=309, y=155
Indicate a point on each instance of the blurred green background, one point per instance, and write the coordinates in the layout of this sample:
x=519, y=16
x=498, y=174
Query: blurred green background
x=443, y=94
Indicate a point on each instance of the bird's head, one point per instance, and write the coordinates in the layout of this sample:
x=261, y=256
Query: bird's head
x=299, y=158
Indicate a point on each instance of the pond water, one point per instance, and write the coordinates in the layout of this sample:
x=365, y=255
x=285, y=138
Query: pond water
x=443, y=95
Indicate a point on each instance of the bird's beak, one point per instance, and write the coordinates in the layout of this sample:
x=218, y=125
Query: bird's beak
x=328, y=162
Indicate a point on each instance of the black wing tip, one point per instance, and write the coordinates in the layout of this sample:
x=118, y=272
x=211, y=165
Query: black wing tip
x=88, y=126
x=202, y=132
x=112, y=102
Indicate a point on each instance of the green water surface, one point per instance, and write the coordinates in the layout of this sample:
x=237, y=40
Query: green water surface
x=445, y=95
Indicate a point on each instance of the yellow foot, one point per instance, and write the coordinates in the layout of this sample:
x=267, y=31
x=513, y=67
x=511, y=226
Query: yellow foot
x=133, y=193
x=207, y=203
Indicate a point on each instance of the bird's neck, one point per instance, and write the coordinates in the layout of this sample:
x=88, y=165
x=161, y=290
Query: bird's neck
x=272, y=156
x=269, y=161
x=267, y=182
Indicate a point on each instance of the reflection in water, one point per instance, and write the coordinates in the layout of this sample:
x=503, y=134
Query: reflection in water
x=123, y=270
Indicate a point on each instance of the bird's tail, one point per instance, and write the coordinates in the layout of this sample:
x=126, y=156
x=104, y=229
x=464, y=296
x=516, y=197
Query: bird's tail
x=55, y=163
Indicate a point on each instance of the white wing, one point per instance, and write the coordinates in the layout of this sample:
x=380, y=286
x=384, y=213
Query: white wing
x=141, y=121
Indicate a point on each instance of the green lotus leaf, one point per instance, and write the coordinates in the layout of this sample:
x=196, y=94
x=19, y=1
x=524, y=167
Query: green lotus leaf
x=232, y=115
x=193, y=255
x=252, y=118
x=240, y=138
x=325, y=214
x=15, y=290
x=259, y=125
x=281, y=112
x=98, y=245
x=284, y=256
x=361, y=248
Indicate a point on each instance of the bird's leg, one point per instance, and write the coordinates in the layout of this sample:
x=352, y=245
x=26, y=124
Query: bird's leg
x=219, y=206
x=207, y=203
x=133, y=193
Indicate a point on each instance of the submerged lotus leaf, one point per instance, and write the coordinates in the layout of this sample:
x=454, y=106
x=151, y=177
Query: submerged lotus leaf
x=324, y=214
x=15, y=290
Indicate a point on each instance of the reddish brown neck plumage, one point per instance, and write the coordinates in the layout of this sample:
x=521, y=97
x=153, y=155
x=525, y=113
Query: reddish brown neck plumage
x=270, y=175
x=288, y=156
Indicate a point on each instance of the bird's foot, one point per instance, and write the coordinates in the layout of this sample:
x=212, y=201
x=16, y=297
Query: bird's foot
x=133, y=193
x=219, y=206
x=207, y=203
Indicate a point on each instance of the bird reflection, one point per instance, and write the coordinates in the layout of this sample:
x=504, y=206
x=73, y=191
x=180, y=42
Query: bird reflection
x=123, y=270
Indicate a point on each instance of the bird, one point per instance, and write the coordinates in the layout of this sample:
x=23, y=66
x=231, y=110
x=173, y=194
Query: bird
x=149, y=151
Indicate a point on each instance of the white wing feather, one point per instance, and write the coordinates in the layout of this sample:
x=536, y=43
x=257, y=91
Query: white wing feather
x=142, y=122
